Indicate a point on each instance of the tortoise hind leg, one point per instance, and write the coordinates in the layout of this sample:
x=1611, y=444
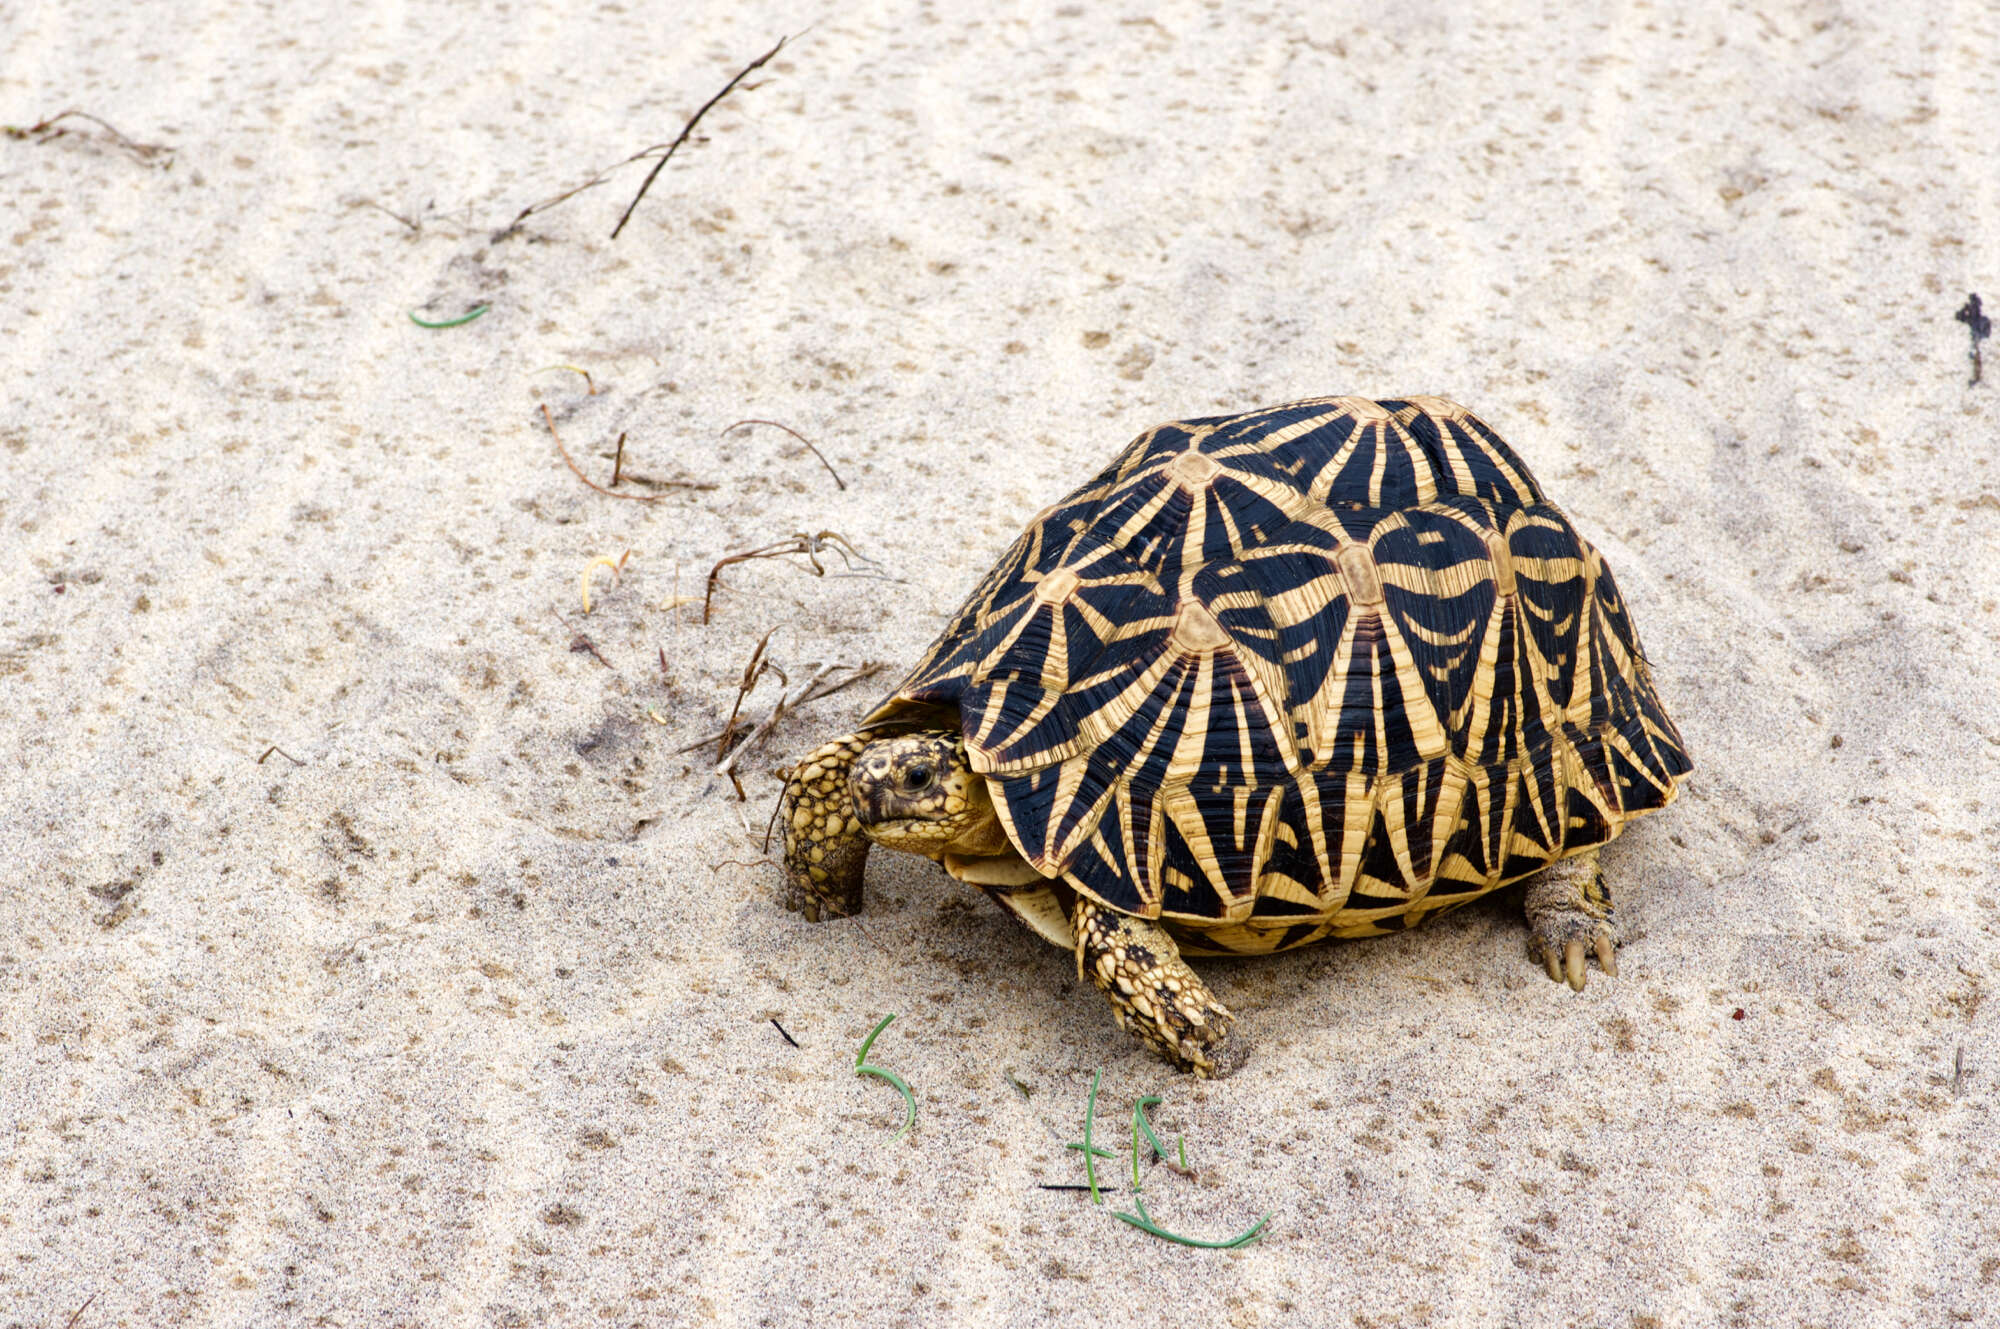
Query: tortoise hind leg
x=1569, y=915
x=1153, y=993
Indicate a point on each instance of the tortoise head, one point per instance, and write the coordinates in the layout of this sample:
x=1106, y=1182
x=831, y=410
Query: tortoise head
x=918, y=793
x=915, y=792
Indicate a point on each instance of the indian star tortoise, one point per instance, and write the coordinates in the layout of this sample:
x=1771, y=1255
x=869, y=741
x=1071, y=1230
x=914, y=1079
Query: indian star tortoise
x=1319, y=670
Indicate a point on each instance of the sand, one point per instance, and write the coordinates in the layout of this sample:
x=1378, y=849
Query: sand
x=372, y=954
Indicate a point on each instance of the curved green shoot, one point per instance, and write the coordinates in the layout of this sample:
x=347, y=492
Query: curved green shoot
x=1139, y=1123
x=475, y=312
x=1144, y=1222
x=1091, y=1153
x=861, y=1057
x=861, y=1067
x=909, y=1099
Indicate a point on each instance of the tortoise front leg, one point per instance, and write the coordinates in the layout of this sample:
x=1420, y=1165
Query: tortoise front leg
x=1569, y=915
x=825, y=850
x=1153, y=993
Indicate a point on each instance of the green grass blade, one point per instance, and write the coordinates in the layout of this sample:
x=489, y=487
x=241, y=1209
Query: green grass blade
x=464, y=318
x=1143, y=1221
x=861, y=1057
x=861, y=1067
x=1089, y=1158
x=909, y=1099
x=1139, y=1123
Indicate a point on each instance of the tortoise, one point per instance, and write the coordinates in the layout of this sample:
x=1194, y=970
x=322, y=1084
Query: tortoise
x=1319, y=670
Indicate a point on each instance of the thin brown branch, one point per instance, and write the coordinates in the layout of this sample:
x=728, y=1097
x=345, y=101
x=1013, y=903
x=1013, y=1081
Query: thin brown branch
x=688, y=129
x=604, y=175
x=810, y=545
x=415, y=226
x=838, y=482
x=754, y=670
x=813, y=689
x=633, y=498
x=46, y=130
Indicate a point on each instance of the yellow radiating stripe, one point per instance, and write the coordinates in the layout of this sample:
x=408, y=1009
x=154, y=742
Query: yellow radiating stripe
x=1306, y=786
x=1476, y=720
x=1322, y=483
x=1244, y=903
x=1516, y=480
x=1425, y=730
x=1154, y=849
x=1456, y=438
x=1069, y=779
x=1583, y=685
x=1288, y=500
x=1298, y=428
x=1420, y=465
x=1446, y=813
x=1186, y=761
x=1124, y=535
x=1379, y=467
x=1391, y=802
x=1180, y=805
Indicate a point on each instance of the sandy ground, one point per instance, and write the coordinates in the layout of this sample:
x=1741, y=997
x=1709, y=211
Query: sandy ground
x=370, y=955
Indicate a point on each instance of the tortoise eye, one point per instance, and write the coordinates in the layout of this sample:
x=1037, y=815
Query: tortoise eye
x=917, y=779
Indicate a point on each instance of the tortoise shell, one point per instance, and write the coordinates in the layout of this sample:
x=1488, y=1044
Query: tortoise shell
x=1320, y=669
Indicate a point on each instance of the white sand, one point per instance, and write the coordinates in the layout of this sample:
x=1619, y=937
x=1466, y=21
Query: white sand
x=462, y=1018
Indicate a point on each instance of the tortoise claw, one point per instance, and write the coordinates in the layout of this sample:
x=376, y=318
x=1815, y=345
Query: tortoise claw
x=1569, y=920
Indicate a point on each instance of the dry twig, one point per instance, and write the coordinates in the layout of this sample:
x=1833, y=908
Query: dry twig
x=46, y=130
x=838, y=482
x=759, y=665
x=632, y=498
x=687, y=130
x=822, y=682
x=664, y=150
x=812, y=546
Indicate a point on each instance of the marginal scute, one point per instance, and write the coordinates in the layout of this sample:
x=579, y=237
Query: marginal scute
x=1365, y=411
x=1324, y=669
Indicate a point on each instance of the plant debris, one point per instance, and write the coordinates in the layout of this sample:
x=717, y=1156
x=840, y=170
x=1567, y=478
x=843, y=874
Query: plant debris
x=663, y=151
x=617, y=566
x=634, y=498
x=811, y=546
x=1979, y=325
x=45, y=131
x=837, y=481
x=820, y=683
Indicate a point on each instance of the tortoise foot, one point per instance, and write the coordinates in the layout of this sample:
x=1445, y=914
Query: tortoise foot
x=1154, y=996
x=1570, y=920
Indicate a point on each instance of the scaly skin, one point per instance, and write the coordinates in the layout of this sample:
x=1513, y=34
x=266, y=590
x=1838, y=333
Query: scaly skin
x=1569, y=915
x=913, y=791
x=825, y=850
x=1154, y=995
